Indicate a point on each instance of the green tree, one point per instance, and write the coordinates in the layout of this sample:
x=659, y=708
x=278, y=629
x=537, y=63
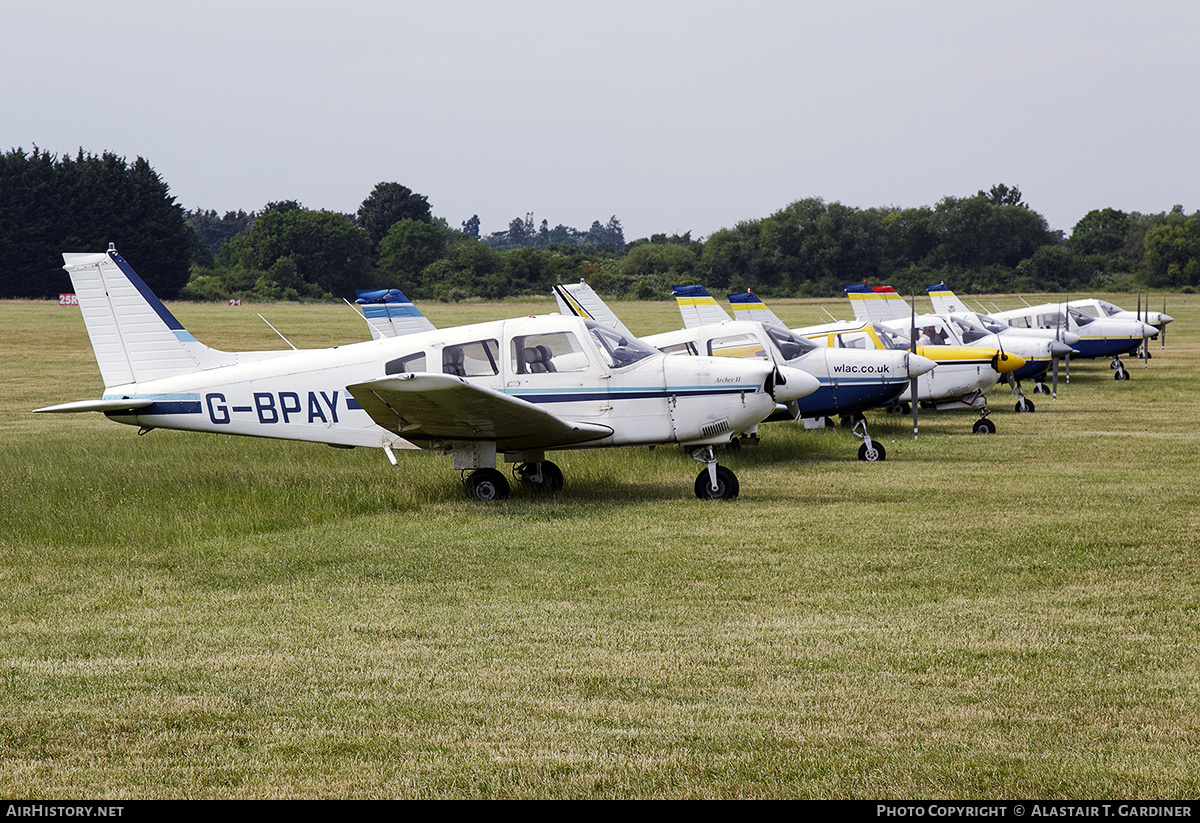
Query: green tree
x=408, y=247
x=1100, y=231
x=387, y=205
x=50, y=205
x=327, y=249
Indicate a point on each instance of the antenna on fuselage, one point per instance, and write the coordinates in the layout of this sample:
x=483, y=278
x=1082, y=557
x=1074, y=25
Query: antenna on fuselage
x=277, y=331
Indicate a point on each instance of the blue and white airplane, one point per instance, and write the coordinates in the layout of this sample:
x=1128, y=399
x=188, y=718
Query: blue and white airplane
x=851, y=380
x=1040, y=350
x=1099, y=337
x=518, y=387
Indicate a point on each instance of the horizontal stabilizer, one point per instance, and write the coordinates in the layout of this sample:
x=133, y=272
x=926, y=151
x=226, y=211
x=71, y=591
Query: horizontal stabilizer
x=121, y=404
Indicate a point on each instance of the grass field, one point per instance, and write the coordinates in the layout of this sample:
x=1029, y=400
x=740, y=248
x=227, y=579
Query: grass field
x=1005, y=616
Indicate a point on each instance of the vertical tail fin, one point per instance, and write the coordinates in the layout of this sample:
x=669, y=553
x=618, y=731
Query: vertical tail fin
x=749, y=306
x=876, y=305
x=698, y=306
x=134, y=336
x=944, y=300
x=581, y=300
x=390, y=314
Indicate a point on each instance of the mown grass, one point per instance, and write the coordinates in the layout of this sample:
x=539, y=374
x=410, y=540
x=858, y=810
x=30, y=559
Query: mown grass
x=989, y=617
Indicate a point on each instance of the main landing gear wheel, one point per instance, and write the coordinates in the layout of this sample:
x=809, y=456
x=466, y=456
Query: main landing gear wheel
x=727, y=485
x=1024, y=406
x=486, y=485
x=1120, y=374
x=984, y=426
x=873, y=454
x=548, y=479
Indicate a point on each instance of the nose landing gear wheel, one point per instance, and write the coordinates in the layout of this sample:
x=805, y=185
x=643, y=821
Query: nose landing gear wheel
x=1024, y=406
x=984, y=426
x=486, y=485
x=873, y=454
x=727, y=485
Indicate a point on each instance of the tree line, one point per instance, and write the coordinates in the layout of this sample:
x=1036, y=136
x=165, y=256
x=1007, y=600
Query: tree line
x=991, y=241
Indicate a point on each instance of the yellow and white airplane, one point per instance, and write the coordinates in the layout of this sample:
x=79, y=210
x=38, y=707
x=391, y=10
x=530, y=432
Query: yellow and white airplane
x=1039, y=348
x=518, y=387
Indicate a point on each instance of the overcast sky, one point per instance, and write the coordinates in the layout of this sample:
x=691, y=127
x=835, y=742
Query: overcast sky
x=673, y=116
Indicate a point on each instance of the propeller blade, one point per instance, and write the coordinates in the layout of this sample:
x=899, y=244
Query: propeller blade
x=1054, y=379
x=1162, y=335
x=912, y=381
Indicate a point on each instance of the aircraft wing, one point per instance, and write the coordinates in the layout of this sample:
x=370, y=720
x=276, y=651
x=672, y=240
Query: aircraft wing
x=426, y=407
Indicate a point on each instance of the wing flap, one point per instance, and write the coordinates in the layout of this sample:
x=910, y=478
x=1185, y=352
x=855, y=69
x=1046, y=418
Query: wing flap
x=425, y=407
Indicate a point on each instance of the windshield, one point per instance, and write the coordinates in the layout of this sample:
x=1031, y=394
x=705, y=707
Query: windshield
x=618, y=350
x=969, y=331
x=790, y=344
x=891, y=338
x=1080, y=317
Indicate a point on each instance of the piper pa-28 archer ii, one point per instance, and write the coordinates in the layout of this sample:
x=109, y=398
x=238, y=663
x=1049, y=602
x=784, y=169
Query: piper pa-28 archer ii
x=519, y=387
x=851, y=379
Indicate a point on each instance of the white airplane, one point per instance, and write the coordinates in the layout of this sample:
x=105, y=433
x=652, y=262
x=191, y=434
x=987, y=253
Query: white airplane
x=1102, y=308
x=851, y=379
x=471, y=391
x=1098, y=336
x=961, y=379
x=1041, y=351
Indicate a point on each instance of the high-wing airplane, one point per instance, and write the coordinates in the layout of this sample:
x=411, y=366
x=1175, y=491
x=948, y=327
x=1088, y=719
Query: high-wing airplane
x=1099, y=337
x=961, y=379
x=884, y=304
x=519, y=387
x=851, y=379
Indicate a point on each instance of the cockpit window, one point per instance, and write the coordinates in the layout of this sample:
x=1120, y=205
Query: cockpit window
x=479, y=358
x=619, y=351
x=791, y=345
x=968, y=331
x=737, y=345
x=891, y=338
x=545, y=353
x=1080, y=318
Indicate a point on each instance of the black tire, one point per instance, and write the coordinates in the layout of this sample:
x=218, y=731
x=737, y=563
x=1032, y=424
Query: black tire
x=727, y=485
x=874, y=454
x=1024, y=406
x=1120, y=374
x=984, y=426
x=487, y=485
x=552, y=476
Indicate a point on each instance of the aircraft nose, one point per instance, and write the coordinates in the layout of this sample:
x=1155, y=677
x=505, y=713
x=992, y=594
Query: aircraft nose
x=1148, y=330
x=1058, y=349
x=919, y=364
x=792, y=384
x=1007, y=362
x=1164, y=318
